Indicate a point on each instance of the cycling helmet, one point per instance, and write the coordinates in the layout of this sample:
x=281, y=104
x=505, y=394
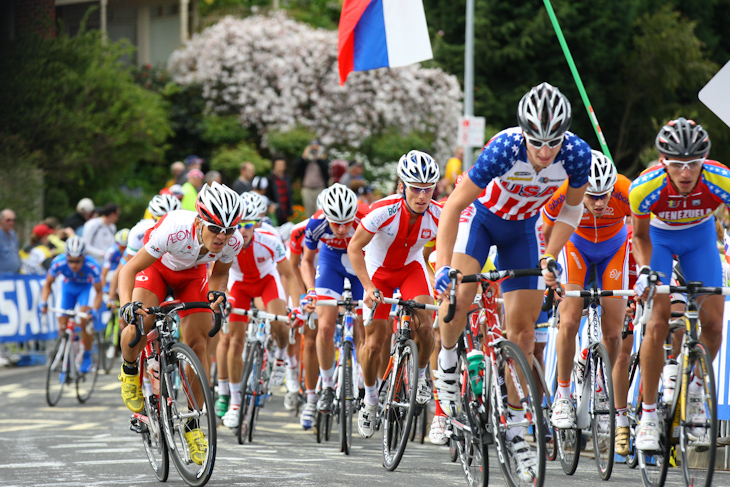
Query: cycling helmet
x=122, y=237
x=161, y=204
x=603, y=174
x=683, y=138
x=417, y=167
x=320, y=198
x=339, y=204
x=544, y=112
x=75, y=247
x=259, y=201
x=252, y=204
x=219, y=205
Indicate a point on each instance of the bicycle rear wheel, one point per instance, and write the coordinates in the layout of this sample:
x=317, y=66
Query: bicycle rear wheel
x=400, y=405
x=547, y=410
x=519, y=466
x=188, y=416
x=346, y=397
x=85, y=381
x=603, y=420
x=698, y=420
x=632, y=459
x=654, y=464
x=472, y=450
x=567, y=445
x=58, y=372
x=153, y=437
x=249, y=386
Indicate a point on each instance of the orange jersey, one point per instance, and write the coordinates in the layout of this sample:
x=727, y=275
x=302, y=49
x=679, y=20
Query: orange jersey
x=591, y=228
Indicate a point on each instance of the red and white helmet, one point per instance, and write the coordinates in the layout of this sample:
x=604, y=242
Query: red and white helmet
x=219, y=205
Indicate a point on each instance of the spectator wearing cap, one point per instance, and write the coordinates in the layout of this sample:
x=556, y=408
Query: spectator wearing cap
x=177, y=191
x=176, y=169
x=243, y=183
x=56, y=240
x=36, y=257
x=191, y=162
x=354, y=172
x=261, y=186
x=190, y=189
x=365, y=192
x=211, y=176
x=312, y=168
x=279, y=190
x=84, y=209
x=9, y=258
x=99, y=232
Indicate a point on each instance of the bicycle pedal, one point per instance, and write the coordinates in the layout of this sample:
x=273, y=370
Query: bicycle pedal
x=137, y=426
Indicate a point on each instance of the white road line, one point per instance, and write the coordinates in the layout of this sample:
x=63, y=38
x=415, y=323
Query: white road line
x=32, y=465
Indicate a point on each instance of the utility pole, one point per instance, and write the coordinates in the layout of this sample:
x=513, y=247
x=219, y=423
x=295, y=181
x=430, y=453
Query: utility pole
x=469, y=75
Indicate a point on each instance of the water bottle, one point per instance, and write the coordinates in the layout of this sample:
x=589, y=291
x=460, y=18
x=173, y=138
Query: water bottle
x=580, y=369
x=261, y=333
x=147, y=387
x=476, y=371
x=669, y=379
x=153, y=371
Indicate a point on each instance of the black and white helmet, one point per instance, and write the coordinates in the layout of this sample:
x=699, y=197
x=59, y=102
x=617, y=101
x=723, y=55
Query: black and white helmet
x=603, y=174
x=339, y=204
x=544, y=112
x=417, y=167
x=219, y=205
x=161, y=204
x=683, y=138
x=75, y=247
x=253, y=206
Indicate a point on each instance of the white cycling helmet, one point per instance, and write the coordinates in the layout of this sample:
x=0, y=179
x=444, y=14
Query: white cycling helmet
x=320, y=198
x=417, y=167
x=603, y=174
x=162, y=204
x=253, y=206
x=544, y=112
x=75, y=247
x=339, y=204
x=122, y=237
x=219, y=205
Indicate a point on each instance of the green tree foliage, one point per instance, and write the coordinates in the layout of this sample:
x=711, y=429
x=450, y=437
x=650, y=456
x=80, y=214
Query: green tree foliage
x=71, y=100
x=228, y=160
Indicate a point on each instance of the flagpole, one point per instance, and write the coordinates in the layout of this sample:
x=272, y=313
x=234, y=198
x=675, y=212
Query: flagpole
x=469, y=75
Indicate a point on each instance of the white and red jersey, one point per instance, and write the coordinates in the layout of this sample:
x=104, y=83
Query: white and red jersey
x=135, y=240
x=394, y=244
x=296, y=241
x=258, y=259
x=174, y=241
x=267, y=227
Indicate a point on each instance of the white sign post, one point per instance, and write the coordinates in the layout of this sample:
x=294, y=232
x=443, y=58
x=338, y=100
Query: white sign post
x=716, y=94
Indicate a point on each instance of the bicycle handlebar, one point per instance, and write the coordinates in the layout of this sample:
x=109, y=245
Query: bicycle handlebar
x=70, y=312
x=335, y=303
x=260, y=315
x=166, y=309
x=667, y=289
x=589, y=293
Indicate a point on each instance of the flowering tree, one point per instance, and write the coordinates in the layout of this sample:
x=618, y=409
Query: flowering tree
x=276, y=73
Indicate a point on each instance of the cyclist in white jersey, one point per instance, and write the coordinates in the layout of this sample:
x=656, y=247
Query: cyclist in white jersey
x=394, y=235
x=176, y=253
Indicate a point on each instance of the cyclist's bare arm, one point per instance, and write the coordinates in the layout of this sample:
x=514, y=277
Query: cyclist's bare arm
x=218, y=280
x=287, y=272
x=307, y=267
x=562, y=231
x=427, y=251
x=295, y=260
x=114, y=283
x=354, y=251
x=99, y=295
x=464, y=195
x=641, y=241
x=141, y=261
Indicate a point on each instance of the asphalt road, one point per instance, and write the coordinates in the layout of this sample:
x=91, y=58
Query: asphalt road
x=90, y=444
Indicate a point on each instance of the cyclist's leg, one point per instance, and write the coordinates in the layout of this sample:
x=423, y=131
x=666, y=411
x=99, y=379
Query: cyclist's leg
x=83, y=301
x=194, y=330
x=329, y=283
x=371, y=356
x=613, y=275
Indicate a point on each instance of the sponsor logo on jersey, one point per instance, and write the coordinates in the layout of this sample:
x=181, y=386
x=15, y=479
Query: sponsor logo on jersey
x=673, y=203
x=178, y=236
x=426, y=233
x=615, y=274
x=260, y=260
x=696, y=202
x=141, y=278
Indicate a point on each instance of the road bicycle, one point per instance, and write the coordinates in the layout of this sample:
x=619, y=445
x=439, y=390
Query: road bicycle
x=257, y=365
x=66, y=358
x=108, y=339
x=488, y=414
x=400, y=381
x=170, y=372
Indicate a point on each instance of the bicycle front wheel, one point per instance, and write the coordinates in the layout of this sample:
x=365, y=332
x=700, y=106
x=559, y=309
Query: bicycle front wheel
x=85, y=381
x=472, y=448
x=58, y=371
x=522, y=464
x=603, y=412
x=547, y=411
x=153, y=438
x=346, y=397
x=698, y=420
x=189, y=423
x=400, y=405
x=249, y=387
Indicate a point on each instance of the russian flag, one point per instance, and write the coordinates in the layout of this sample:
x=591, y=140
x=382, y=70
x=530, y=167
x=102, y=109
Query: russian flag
x=380, y=34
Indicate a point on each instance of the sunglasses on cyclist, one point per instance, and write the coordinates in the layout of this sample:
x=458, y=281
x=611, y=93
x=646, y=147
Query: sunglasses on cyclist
x=419, y=189
x=248, y=225
x=339, y=224
x=551, y=143
x=217, y=229
x=598, y=197
x=682, y=165
x=74, y=261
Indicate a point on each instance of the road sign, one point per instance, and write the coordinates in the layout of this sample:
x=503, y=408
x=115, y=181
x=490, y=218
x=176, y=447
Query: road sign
x=715, y=94
x=471, y=131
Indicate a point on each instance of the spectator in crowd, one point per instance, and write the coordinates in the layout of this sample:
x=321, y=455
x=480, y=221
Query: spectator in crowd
x=454, y=166
x=261, y=186
x=192, y=162
x=190, y=189
x=338, y=167
x=36, y=257
x=364, y=191
x=9, y=258
x=99, y=232
x=312, y=168
x=443, y=189
x=84, y=209
x=279, y=190
x=211, y=176
x=176, y=169
x=176, y=190
x=354, y=172
x=56, y=240
x=243, y=183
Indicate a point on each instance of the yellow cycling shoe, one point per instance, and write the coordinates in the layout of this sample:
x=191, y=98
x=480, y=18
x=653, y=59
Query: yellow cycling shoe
x=131, y=392
x=197, y=445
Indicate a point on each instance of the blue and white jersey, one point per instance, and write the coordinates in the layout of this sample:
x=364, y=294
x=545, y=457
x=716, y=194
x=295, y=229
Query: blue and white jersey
x=90, y=273
x=112, y=257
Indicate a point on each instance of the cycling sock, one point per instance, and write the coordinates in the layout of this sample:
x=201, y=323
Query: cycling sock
x=422, y=372
x=311, y=396
x=648, y=411
x=371, y=395
x=360, y=377
x=515, y=414
x=280, y=353
x=130, y=368
x=622, y=418
x=236, y=394
x=448, y=358
x=292, y=361
x=328, y=379
x=563, y=388
x=223, y=389
x=695, y=387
